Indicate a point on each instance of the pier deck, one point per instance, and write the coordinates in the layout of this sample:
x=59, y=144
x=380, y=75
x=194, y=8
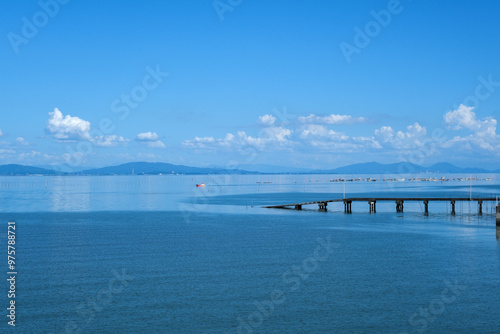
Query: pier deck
x=398, y=200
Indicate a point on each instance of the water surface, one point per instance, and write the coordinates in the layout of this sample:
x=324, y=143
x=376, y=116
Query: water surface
x=211, y=260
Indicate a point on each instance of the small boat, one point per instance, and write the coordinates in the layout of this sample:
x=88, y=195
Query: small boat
x=200, y=185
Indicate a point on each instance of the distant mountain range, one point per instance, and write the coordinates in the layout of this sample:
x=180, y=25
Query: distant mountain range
x=402, y=168
x=25, y=170
x=148, y=168
x=158, y=168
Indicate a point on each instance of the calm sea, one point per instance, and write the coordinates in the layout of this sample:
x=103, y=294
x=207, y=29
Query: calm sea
x=155, y=254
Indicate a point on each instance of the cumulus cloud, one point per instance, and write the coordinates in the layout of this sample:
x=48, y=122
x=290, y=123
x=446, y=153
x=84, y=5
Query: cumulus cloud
x=201, y=142
x=110, y=141
x=314, y=130
x=20, y=140
x=320, y=137
x=272, y=137
x=276, y=133
x=150, y=139
x=1, y=133
x=483, y=134
x=147, y=136
x=320, y=131
x=155, y=144
x=385, y=133
x=317, y=134
x=331, y=119
x=68, y=127
x=465, y=117
x=275, y=136
x=412, y=138
x=267, y=120
x=71, y=128
x=416, y=130
x=339, y=142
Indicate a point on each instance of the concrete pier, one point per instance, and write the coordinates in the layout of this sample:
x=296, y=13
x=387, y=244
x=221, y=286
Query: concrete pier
x=399, y=205
x=373, y=207
x=347, y=206
x=498, y=215
x=322, y=205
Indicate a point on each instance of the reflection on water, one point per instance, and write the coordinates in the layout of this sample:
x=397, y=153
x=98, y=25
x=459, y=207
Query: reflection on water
x=69, y=196
x=498, y=232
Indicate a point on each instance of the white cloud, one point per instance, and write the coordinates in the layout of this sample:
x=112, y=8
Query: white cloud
x=331, y=119
x=267, y=119
x=272, y=136
x=20, y=141
x=150, y=139
x=202, y=142
x=320, y=137
x=274, y=133
x=414, y=137
x=314, y=130
x=155, y=144
x=341, y=143
x=29, y=155
x=385, y=133
x=6, y=151
x=147, y=136
x=1, y=133
x=483, y=134
x=314, y=135
x=416, y=130
x=464, y=117
x=67, y=127
x=110, y=141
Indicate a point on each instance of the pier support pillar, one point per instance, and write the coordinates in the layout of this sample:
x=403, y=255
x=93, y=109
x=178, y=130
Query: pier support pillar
x=322, y=206
x=426, y=205
x=399, y=205
x=347, y=207
x=373, y=207
x=498, y=215
x=298, y=207
x=480, y=207
x=452, y=207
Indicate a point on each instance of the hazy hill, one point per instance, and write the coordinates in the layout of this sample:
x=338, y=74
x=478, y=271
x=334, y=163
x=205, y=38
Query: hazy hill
x=444, y=167
x=25, y=170
x=157, y=168
x=377, y=168
x=141, y=168
x=401, y=168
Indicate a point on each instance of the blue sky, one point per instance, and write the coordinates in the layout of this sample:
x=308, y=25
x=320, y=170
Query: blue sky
x=317, y=84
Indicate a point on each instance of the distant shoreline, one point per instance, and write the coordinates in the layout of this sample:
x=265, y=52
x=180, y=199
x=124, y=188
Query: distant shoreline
x=147, y=168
